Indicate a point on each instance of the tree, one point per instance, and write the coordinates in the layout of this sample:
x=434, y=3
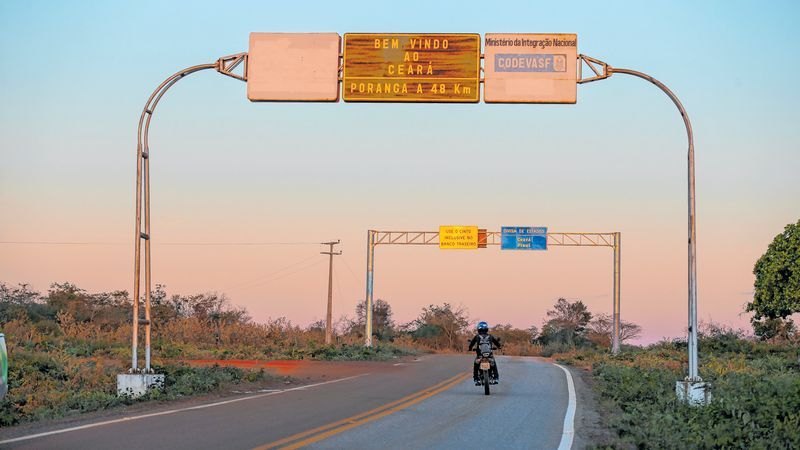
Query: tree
x=316, y=327
x=383, y=326
x=211, y=310
x=768, y=328
x=19, y=301
x=440, y=327
x=534, y=331
x=566, y=324
x=776, y=293
x=601, y=327
x=70, y=299
x=510, y=335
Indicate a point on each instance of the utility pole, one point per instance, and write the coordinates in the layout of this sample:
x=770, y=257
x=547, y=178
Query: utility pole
x=329, y=316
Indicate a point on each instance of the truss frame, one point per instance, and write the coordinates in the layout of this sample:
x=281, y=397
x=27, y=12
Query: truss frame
x=612, y=240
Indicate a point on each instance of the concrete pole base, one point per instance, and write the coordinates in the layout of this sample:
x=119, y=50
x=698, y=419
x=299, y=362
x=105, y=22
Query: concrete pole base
x=696, y=393
x=135, y=385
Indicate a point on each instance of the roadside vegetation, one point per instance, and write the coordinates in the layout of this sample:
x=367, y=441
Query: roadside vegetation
x=755, y=391
x=754, y=378
x=67, y=346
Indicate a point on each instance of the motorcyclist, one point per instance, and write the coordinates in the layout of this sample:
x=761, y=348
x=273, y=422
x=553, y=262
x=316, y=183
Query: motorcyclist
x=483, y=336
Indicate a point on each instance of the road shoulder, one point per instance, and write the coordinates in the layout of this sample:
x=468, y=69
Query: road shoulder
x=316, y=372
x=590, y=426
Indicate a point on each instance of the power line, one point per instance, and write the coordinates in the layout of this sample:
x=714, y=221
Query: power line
x=260, y=283
x=337, y=283
x=59, y=243
x=259, y=278
x=338, y=286
x=236, y=243
x=355, y=278
x=157, y=243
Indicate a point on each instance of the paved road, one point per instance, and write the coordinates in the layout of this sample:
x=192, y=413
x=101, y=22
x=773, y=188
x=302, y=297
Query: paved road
x=431, y=403
x=526, y=411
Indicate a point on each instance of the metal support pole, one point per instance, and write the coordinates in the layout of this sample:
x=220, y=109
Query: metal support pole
x=617, y=285
x=136, y=265
x=692, y=250
x=147, y=267
x=143, y=188
x=224, y=65
x=370, y=280
x=329, y=314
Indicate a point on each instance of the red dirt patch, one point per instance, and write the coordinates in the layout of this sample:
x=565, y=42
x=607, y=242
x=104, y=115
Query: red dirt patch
x=281, y=367
x=300, y=368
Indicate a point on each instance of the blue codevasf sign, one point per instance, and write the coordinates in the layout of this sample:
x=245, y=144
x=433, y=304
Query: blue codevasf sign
x=523, y=238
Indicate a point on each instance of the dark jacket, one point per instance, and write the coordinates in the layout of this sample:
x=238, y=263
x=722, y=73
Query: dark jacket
x=475, y=340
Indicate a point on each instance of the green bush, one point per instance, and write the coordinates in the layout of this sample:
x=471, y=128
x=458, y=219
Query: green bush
x=42, y=387
x=755, y=396
x=357, y=352
x=552, y=348
x=67, y=346
x=84, y=401
x=182, y=380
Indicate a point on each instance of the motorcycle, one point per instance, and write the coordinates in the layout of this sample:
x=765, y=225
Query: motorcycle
x=485, y=363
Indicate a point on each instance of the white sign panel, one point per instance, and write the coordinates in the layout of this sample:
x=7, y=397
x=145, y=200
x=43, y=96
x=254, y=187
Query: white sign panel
x=530, y=68
x=293, y=67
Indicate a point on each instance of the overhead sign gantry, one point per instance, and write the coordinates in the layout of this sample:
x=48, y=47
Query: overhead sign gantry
x=412, y=67
x=416, y=67
x=471, y=237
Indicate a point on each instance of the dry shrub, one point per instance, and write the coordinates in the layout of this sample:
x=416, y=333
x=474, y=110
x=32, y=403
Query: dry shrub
x=66, y=348
x=516, y=341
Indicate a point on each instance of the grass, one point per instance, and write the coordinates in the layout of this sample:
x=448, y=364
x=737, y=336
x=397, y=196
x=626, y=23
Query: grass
x=46, y=385
x=57, y=369
x=67, y=345
x=755, y=389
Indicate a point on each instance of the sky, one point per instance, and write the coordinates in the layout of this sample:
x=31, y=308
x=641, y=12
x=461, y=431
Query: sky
x=75, y=77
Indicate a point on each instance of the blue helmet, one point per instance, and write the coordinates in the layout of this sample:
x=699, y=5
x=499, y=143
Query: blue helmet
x=483, y=327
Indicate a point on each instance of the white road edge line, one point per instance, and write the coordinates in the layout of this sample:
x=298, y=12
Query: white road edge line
x=173, y=411
x=569, y=417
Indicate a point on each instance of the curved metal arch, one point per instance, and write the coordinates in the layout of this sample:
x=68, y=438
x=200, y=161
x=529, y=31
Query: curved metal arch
x=224, y=65
x=692, y=227
x=606, y=72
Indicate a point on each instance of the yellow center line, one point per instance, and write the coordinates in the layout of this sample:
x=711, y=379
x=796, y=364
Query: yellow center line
x=373, y=417
x=320, y=433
